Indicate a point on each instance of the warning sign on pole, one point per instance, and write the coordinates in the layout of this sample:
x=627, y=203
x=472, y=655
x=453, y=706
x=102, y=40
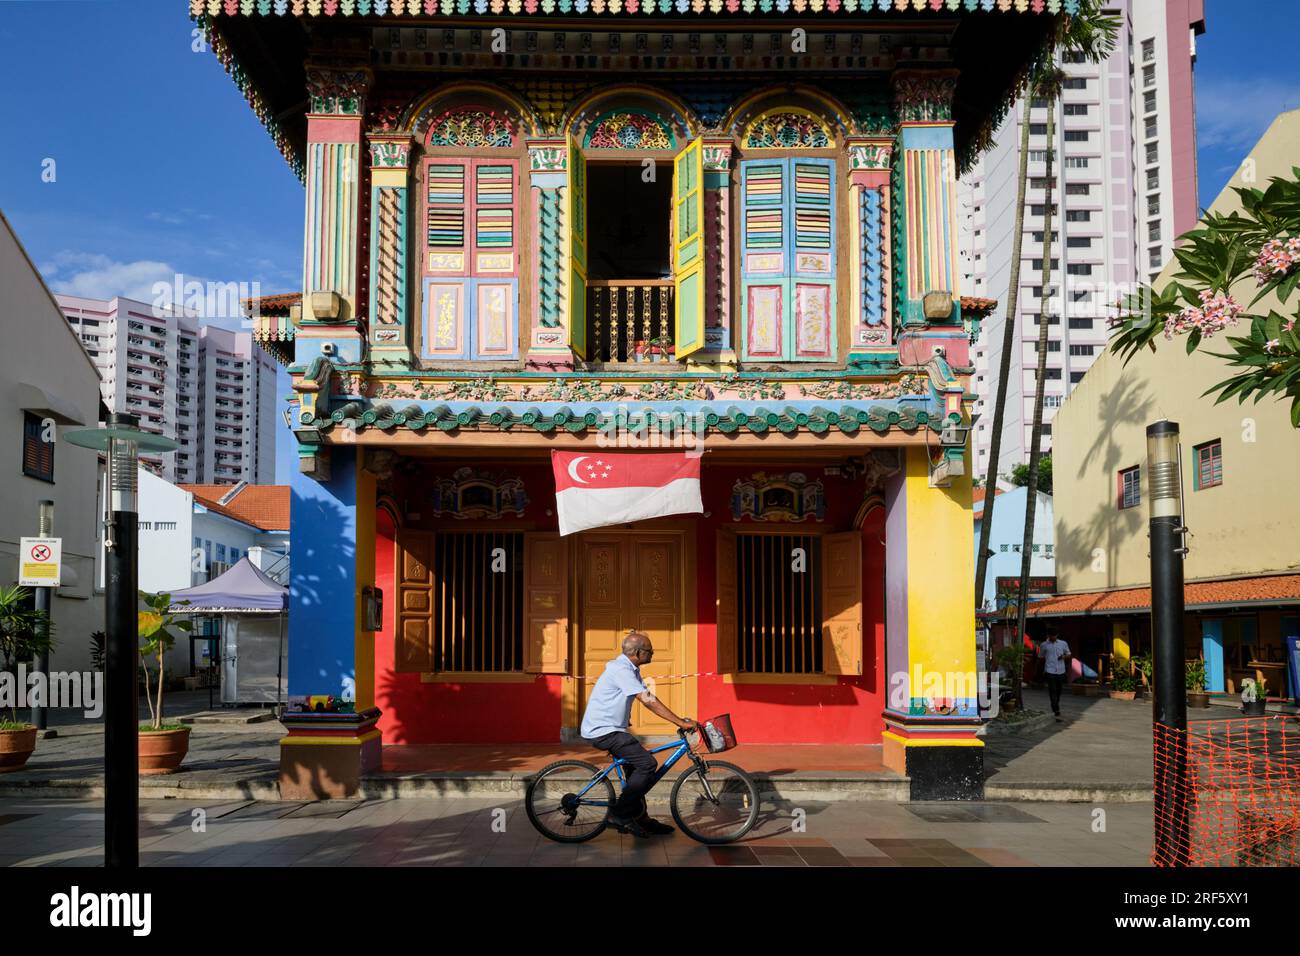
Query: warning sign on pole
x=38, y=560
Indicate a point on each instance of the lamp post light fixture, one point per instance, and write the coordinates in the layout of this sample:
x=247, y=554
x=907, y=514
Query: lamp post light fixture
x=1169, y=713
x=122, y=441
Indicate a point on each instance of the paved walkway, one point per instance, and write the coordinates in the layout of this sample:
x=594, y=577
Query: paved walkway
x=1101, y=752
x=476, y=831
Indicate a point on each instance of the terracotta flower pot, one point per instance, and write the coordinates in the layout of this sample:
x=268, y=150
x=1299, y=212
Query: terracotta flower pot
x=15, y=747
x=1123, y=695
x=1198, y=698
x=161, y=751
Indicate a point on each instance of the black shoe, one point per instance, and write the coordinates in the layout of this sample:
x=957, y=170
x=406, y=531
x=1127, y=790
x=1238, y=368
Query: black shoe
x=631, y=827
x=653, y=826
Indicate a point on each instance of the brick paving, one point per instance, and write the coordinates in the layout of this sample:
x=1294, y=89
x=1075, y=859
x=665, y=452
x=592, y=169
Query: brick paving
x=479, y=831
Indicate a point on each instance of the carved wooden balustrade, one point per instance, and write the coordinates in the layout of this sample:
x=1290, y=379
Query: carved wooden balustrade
x=625, y=315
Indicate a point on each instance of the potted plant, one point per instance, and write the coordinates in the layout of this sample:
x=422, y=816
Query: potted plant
x=1254, y=696
x=1142, y=667
x=1123, y=683
x=24, y=634
x=1196, y=695
x=162, y=746
x=1012, y=659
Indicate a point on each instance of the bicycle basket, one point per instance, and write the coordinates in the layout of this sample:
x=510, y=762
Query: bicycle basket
x=717, y=734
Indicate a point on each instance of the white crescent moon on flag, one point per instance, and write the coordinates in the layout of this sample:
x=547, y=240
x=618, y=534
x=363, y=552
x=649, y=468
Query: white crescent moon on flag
x=573, y=468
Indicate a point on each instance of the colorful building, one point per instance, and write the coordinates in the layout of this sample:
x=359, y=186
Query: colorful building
x=716, y=226
x=1242, y=568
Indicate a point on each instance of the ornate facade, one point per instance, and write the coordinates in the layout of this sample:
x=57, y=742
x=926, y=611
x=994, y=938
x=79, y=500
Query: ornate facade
x=554, y=225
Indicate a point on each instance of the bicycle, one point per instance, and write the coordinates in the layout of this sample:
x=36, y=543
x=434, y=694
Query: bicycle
x=712, y=802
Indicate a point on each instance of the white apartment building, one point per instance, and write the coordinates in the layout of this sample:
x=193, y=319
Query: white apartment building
x=209, y=388
x=1124, y=187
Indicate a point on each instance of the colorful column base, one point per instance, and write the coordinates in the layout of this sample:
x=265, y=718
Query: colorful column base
x=325, y=755
x=943, y=758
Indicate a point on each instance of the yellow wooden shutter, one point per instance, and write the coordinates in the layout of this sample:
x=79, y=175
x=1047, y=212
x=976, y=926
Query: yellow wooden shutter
x=688, y=247
x=577, y=249
x=727, y=601
x=842, y=603
x=546, y=603
x=414, y=641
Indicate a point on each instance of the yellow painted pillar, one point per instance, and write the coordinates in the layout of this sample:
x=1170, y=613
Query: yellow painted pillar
x=1119, y=645
x=932, y=695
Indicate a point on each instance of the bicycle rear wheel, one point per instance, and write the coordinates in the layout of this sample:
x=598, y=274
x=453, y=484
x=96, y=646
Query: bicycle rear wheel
x=718, y=805
x=556, y=810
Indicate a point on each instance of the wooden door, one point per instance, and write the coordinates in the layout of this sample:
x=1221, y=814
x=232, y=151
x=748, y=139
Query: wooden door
x=634, y=581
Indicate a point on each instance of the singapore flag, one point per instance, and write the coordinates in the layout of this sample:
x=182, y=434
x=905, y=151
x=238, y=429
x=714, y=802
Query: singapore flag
x=596, y=490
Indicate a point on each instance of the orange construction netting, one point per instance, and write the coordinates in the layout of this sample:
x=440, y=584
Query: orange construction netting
x=1227, y=793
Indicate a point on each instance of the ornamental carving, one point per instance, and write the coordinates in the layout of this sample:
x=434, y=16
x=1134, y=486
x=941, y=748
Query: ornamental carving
x=390, y=153
x=488, y=390
x=717, y=158
x=547, y=159
x=629, y=130
x=472, y=128
x=752, y=390
x=340, y=92
x=788, y=130
x=852, y=391
x=477, y=493
x=869, y=156
x=924, y=96
x=787, y=497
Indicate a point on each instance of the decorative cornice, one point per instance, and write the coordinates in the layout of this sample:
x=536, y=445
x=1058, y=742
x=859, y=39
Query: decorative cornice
x=390, y=150
x=338, y=90
x=684, y=9
x=924, y=96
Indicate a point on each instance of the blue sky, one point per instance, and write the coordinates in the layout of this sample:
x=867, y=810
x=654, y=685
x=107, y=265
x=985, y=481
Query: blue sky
x=161, y=168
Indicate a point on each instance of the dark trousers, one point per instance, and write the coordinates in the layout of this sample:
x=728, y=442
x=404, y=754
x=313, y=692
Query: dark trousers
x=640, y=770
x=1054, y=684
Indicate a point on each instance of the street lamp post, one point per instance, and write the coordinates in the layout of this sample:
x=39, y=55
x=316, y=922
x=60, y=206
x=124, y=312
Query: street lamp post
x=45, y=529
x=1164, y=480
x=122, y=441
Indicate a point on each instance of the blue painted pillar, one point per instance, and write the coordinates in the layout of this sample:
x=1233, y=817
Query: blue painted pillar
x=323, y=580
x=1212, y=649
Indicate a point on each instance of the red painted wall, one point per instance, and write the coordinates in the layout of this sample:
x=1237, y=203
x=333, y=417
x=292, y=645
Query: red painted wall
x=419, y=713
x=848, y=711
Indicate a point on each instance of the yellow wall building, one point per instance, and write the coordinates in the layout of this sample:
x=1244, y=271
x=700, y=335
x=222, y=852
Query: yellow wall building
x=1240, y=467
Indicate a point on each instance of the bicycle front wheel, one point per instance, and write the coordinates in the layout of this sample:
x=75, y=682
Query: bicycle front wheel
x=715, y=804
x=557, y=810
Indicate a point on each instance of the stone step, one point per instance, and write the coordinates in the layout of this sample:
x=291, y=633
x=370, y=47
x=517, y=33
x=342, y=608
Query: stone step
x=241, y=717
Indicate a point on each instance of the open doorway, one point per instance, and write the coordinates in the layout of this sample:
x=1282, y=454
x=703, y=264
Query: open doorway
x=630, y=309
x=628, y=222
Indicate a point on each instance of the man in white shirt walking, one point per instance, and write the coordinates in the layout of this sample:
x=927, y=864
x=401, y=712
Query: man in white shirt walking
x=1055, y=654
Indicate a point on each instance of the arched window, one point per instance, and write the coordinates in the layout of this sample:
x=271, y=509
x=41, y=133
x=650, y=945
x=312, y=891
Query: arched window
x=788, y=223
x=470, y=237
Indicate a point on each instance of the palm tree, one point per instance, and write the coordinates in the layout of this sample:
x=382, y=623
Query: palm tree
x=1091, y=34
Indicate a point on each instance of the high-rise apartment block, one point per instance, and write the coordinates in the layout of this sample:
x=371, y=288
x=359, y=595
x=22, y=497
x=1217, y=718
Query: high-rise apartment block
x=1123, y=188
x=209, y=388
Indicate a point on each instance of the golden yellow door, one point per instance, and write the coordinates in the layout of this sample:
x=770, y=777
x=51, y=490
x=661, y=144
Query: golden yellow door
x=634, y=581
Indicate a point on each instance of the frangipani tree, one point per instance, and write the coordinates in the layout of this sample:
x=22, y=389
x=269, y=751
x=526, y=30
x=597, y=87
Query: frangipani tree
x=1220, y=262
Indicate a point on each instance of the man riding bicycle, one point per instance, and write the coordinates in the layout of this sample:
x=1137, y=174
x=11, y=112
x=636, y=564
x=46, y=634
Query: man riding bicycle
x=604, y=726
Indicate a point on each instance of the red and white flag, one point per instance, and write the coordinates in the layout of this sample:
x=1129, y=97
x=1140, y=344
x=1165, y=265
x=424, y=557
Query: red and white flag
x=597, y=490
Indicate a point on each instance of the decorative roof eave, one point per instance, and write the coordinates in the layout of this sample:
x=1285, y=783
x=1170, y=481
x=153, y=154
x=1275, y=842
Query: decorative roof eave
x=698, y=419
x=611, y=8
x=273, y=327
x=208, y=13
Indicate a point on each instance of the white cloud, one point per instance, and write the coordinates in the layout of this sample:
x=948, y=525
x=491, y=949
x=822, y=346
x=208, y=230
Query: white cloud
x=100, y=277
x=1232, y=114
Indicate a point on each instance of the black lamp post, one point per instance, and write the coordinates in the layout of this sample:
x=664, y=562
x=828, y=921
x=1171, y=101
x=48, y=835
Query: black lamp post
x=122, y=441
x=1164, y=483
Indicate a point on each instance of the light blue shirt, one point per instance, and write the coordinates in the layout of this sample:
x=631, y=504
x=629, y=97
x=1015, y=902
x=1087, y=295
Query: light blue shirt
x=610, y=706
